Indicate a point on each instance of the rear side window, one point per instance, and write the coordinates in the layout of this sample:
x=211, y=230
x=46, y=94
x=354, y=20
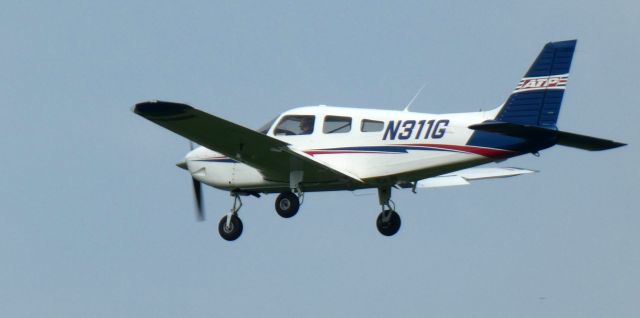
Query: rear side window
x=371, y=125
x=336, y=124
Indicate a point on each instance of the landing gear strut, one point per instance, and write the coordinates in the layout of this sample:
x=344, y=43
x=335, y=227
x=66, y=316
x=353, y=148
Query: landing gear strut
x=388, y=221
x=230, y=226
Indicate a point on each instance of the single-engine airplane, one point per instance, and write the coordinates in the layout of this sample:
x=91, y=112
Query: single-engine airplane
x=323, y=148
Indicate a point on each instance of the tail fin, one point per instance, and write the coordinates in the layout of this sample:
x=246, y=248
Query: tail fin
x=537, y=98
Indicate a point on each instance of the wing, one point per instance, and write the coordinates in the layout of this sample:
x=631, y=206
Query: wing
x=274, y=158
x=462, y=177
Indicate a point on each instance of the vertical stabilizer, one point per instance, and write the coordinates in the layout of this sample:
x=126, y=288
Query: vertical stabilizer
x=537, y=98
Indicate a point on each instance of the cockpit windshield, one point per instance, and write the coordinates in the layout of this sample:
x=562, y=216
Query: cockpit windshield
x=265, y=128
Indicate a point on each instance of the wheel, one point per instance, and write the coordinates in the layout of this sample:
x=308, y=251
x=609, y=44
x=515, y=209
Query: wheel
x=231, y=232
x=287, y=204
x=388, y=222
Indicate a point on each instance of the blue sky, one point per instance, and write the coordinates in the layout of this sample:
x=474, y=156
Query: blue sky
x=98, y=222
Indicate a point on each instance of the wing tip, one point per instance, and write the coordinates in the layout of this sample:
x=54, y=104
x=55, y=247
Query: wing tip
x=617, y=144
x=156, y=108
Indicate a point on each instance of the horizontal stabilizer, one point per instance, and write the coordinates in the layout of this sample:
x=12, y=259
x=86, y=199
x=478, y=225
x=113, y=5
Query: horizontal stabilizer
x=462, y=177
x=535, y=132
x=586, y=142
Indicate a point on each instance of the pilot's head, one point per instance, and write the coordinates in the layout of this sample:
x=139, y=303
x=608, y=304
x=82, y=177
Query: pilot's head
x=306, y=126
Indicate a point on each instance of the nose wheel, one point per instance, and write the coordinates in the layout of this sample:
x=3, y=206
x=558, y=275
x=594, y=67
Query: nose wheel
x=230, y=226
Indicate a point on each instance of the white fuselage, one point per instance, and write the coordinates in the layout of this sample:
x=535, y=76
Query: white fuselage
x=399, y=145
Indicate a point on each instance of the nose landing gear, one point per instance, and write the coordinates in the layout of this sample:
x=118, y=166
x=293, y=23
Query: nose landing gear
x=230, y=226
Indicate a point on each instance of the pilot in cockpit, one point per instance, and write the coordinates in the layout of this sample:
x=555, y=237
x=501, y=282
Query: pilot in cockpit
x=306, y=126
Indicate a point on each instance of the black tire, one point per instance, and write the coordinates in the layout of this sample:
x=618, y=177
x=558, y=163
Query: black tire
x=287, y=204
x=234, y=230
x=388, y=224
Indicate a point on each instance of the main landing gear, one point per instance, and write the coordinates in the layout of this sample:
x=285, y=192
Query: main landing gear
x=288, y=204
x=388, y=221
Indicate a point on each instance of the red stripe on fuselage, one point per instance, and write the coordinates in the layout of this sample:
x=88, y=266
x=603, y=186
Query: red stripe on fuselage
x=332, y=152
x=487, y=152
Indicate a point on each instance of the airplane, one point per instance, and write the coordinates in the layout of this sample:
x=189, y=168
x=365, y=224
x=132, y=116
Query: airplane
x=324, y=148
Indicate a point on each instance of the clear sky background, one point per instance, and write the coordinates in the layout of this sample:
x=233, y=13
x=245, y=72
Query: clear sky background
x=96, y=221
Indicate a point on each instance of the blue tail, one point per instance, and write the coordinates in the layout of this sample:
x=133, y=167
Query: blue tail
x=526, y=122
x=537, y=98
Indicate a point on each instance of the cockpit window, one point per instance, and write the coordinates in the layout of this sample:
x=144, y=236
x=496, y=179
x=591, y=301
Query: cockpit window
x=295, y=125
x=336, y=124
x=265, y=128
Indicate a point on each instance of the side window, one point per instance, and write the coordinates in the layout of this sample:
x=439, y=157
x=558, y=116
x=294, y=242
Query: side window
x=295, y=125
x=336, y=124
x=371, y=125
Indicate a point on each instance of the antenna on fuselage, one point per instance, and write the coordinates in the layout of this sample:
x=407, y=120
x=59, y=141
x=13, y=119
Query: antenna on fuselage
x=406, y=108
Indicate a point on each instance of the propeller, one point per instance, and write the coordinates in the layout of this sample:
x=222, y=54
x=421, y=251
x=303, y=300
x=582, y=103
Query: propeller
x=197, y=194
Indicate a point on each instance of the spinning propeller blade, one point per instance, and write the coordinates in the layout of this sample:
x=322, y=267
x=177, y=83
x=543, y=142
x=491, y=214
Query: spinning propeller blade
x=197, y=193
